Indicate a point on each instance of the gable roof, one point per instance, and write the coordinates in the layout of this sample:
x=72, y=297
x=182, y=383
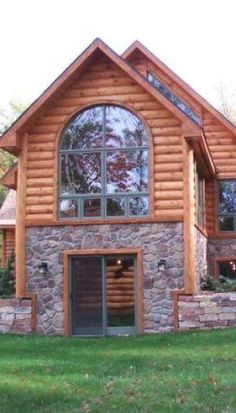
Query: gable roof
x=8, y=210
x=137, y=46
x=10, y=139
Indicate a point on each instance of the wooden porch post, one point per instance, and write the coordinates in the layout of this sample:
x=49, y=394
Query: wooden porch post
x=20, y=221
x=190, y=285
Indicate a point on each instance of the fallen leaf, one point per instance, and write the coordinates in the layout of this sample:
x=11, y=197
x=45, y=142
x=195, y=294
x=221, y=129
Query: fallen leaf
x=212, y=380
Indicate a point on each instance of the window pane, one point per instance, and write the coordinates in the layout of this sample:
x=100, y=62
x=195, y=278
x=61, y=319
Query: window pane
x=138, y=205
x=68, y=208
x=80, y=173
x=123, y=128
x=127, y=171
x=226, y=223
x=227, y=197
x=85, y=130
x=115, y=207
x=228, y=269
x=120, y=292
x=92, y=207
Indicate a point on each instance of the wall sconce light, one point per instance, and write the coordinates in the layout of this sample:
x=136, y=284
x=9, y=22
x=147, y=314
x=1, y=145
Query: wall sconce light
x=161, y=265
x=43, y=268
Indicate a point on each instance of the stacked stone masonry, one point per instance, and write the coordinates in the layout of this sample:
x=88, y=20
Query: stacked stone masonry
x=155, y=240
x=220, y=248
x=207, y=311
x=15, y=316
x=200, y=256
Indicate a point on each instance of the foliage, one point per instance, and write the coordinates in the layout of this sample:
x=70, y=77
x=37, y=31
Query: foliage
x=7, y=117
x=190, y=372
x=7, y=282
x=219, y=284
x=226, y=94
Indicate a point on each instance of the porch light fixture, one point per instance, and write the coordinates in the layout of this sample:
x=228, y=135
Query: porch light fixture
x=43, y=268
x=161, y=265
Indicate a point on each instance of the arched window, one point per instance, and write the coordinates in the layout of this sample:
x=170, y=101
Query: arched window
x=103, y=165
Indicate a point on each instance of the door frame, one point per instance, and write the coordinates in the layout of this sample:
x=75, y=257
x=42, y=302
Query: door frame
x=137, y=252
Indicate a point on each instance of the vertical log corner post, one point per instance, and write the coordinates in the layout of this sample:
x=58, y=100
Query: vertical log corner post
x=190, y=284
x=20, y=220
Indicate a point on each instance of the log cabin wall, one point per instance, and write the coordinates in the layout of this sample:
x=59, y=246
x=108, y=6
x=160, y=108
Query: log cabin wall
x=222, y=145
x=8, y=245
x=104, y=82
x=220, y=140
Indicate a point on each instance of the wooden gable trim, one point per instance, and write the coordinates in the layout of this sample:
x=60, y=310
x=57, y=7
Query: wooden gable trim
x=218, y=115
x=202, y=153
x=55, y=89
x=10, y=178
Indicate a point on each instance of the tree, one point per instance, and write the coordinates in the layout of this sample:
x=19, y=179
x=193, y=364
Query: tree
x=7, y=117
x=226, y=93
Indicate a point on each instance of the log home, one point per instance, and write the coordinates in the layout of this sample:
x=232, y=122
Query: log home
x=125, y=183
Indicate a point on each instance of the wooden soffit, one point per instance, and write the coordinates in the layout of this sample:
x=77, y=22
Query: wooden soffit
x=10, y=140
x=201, y=151
x=10, y=178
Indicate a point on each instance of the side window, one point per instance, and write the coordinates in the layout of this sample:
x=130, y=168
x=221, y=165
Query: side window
x=227, y=269
x=227, y=205
x=200, y=199
x=103, y=162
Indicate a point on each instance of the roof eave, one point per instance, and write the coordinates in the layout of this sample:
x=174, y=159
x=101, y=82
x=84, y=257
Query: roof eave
x=136, y=45
x=10, y=140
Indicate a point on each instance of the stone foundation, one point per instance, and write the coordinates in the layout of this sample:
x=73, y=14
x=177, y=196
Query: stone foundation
x=156, y=241
x=15, y=316
x=207, y=311
x=201, y=255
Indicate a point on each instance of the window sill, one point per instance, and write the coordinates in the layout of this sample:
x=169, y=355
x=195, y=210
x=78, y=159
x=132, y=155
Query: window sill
x=123, y=221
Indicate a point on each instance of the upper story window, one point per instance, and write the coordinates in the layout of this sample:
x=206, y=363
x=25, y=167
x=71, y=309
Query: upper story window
x=103, y=165
x=227, y=205
x=200, y=199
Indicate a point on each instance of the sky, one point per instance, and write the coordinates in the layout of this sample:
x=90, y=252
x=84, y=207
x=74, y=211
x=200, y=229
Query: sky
x=40, y=38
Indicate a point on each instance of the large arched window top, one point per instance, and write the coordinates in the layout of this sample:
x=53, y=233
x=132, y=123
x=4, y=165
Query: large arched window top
x=103, y=165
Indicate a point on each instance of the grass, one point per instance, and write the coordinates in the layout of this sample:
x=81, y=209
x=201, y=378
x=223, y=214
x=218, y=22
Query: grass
x=189, y=372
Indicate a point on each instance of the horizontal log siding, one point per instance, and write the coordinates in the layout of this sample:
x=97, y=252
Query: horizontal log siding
x=210, y=207
x=222, y=146
x=9, y=243
x=104, y=82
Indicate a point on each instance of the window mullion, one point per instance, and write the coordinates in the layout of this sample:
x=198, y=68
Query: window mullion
x=103, y=166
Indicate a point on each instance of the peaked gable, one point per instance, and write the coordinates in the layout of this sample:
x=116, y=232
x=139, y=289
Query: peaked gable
x=10, y=140
x=189, y=94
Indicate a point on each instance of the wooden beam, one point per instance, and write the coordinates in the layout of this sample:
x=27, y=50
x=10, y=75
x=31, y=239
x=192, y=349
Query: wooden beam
x=20, y=222
x=189, y=221
x=202, y=154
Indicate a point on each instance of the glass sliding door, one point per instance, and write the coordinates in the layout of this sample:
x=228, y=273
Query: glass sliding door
x=120, y=295
x=87, y=296
x=103, y=295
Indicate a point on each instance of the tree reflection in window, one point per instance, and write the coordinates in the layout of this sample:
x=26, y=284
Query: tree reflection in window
x=104, y=154
x=227, y=205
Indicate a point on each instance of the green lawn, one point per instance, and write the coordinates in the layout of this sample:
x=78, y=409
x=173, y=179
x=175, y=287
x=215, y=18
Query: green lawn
x=192, y=372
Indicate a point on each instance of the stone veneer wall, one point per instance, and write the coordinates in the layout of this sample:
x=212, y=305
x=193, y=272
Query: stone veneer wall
x=207, y=311
x=201, y=255
x=15, y=316
x=222, y=248
x=156, y=241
